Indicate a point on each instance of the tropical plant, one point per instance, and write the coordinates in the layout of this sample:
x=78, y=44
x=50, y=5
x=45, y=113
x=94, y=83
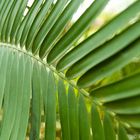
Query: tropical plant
x=46, y=77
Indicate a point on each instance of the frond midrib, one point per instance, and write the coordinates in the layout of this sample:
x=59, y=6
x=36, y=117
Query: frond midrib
x=50, y=67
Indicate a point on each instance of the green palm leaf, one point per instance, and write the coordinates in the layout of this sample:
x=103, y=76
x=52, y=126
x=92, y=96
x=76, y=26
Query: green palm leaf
x=47, y=77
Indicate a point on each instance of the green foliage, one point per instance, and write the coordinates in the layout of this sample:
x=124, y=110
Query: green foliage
x=91, y=88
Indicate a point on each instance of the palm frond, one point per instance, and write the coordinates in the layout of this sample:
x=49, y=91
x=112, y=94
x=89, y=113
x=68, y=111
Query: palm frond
x=45, y=74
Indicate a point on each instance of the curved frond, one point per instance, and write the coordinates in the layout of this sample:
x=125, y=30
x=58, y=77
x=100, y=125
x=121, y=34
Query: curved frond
x=51, y=79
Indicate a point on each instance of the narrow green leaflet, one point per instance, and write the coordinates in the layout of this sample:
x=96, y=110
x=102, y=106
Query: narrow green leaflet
x=107, y=50
x=6, y=89
x=18, y=19
x=44, y=90
x=125, y=106
x=35, y=103
x=21, y=74
x=110, y=65
x=38, y=21
x=1, y=54
x=12, y=18
x=3, y=72
x=132, y=120
x=122, y=134
x=98, y=38
x=84, y=126
x=50, y=130
x=128, y=87
x=108, y=127
x=30, y=21
x=97, y=128
x=58, y=27
x=11, y=100
x=63, y=110
x=19, y=34
x=47, y=25
x=73, y=114
x=25, y=100
x=4, y=14
x=3, y=37
x=76, y=30
x=1, y=5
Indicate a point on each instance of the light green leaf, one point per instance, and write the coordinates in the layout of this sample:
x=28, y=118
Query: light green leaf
x=25, y=100
x=125, y=106
x=73, y=114
x=132, y=120
x=76, y=30
x=110, y=65
x=100, y=37
x=21, y=74
x=11, y=95
x=108, y=128
x=29, y=22
x=50, y=130
x=122, y=135
x=64, y=112
x=35, y=103
x=84, y=126
x=38, y=21
x=97, y=128
x=58, y=27
x=127, y=87
x=107, y=50
x=47, y=25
